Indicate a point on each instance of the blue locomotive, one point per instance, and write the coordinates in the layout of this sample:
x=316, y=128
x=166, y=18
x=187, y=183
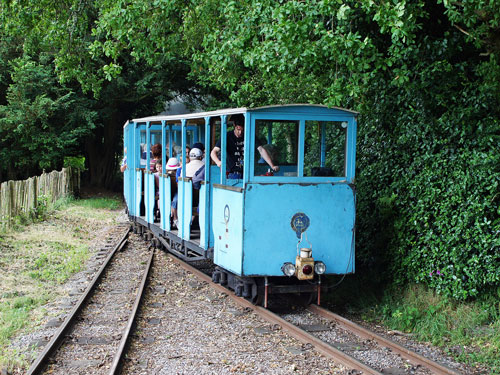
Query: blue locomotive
x=286, y=217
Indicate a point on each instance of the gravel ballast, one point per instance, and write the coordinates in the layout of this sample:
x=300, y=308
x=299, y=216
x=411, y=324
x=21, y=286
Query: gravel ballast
x=186, y=327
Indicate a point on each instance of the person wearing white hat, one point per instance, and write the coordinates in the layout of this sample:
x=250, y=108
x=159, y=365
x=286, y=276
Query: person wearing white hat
x=172, y=165
x=195, y=155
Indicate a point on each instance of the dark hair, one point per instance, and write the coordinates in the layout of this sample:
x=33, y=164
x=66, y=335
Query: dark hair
x=238, y=119
x=156, y=151
x=199, y=145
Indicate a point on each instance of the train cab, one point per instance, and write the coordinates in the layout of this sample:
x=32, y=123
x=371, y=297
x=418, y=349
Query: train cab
x=277, y=226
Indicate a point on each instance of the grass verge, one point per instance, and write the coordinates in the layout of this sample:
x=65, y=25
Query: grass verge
x=38, y=258
x=467, y=331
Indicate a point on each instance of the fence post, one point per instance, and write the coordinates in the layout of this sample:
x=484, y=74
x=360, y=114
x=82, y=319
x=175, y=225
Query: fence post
x=18, y=197
x=10, y=193
x=3, y=204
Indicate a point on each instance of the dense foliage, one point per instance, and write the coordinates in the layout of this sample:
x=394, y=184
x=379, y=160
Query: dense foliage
x=41, y=121
x=424, y=75
x=54, y=83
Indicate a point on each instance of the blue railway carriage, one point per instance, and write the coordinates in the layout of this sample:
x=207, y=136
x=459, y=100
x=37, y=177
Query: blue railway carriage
x=266, y=231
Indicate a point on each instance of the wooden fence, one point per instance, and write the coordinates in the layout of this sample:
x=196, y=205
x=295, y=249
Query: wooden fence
x=21, y=197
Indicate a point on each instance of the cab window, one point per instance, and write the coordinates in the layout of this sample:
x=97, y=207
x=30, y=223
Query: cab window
x=324, y=148
x=279, y=140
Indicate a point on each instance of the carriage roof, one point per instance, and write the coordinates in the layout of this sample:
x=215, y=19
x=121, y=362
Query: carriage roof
x=285, y=109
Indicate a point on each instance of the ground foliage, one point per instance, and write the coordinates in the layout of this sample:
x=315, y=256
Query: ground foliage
x=37, y=260
x=424, y=76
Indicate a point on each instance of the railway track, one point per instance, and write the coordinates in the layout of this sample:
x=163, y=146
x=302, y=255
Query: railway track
x=359, y=353
x=363, y=333
x=93, y=336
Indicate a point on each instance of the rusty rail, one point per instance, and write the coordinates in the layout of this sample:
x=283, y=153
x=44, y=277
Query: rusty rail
x=117, y=360
x=55, y=342
x=413, y=357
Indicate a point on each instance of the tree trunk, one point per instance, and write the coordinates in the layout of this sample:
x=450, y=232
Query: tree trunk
x=101, y=150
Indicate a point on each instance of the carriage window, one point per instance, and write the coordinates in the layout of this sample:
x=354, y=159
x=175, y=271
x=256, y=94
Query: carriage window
x=176, y=137
x=176, y=141
x=215, y=129
x=142, y=150
x=324, y=149
x=279, y=141
x=155, y=137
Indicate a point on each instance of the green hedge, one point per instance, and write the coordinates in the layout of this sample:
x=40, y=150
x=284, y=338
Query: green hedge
x=429, y=188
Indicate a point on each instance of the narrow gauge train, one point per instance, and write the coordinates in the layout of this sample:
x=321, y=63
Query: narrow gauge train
x=267, y=232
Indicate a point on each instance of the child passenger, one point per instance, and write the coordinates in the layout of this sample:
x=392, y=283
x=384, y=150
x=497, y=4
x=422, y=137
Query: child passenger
x=173, y=166
x=157, y=176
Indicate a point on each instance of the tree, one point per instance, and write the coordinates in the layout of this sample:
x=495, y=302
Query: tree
x=113, y=88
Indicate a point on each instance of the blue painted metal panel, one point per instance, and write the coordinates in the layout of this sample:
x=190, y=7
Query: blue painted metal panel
x=323, y=144
x=180, y=213
x=202, y=216
x=351, y=149
x=301, y=141
x=215, y=178
x=150, y=197
x=148, y=147
x=228, y=229
x=133, y=165
x=166, y=202
x=270, y=241
x=183, y=143
x=138, y=192
x=247, y=162
x=185, y=208
x=161, y=200
x=170, y=141
x=138, y=139
x=127, y=174
x=205, y=202
x=223, y=147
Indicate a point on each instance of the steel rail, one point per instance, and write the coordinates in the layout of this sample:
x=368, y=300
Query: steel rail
x=56, y=340
x=115, y=367
x=413, y=357
x=298, y=333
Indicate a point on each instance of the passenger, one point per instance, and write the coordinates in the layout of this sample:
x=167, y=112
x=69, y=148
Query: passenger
x=156, y=156
x=201, y=146
x=191, y=169
x=123, y=165
x=271, y=151
x=177, y=151
x=157, y=176
x=179, y=171
x=178, y=174
x=195, y=156
x=173, y=165
x=235, y=148
x=167, y=149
